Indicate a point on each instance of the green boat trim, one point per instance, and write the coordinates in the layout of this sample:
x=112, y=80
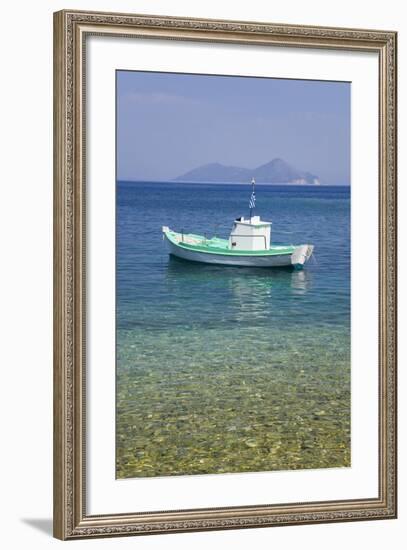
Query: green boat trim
x=215, y=245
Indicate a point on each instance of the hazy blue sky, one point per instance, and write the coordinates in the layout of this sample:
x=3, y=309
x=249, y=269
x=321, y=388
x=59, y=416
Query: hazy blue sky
x=170, y=123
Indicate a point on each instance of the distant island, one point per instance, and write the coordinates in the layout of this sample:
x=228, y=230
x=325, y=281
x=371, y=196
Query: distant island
x=276, y=171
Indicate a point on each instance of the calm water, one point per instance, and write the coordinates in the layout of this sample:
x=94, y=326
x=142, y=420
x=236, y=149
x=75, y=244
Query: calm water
x=223, y=369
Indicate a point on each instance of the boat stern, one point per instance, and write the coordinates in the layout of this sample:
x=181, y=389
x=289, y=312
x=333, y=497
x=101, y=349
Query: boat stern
x=301, y=255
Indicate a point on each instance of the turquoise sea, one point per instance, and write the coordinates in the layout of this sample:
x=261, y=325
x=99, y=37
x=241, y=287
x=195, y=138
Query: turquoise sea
x=226, y=369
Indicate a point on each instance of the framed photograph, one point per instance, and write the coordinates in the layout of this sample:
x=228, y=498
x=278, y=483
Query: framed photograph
x=225, y=274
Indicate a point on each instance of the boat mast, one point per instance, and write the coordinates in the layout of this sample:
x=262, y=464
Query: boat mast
x=252, y=202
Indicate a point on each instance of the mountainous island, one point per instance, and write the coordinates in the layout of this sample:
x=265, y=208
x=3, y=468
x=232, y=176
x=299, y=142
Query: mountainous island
x=276, y=171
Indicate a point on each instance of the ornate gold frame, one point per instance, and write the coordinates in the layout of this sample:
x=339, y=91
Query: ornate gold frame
x=70, y=31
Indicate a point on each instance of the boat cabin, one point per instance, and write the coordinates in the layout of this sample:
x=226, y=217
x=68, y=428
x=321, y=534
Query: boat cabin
x=250, y=234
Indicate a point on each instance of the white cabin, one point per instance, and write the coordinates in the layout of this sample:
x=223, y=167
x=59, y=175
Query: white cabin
x=250, y=234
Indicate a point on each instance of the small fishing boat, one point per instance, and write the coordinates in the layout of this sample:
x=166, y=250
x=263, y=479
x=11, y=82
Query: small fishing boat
x=249, y=245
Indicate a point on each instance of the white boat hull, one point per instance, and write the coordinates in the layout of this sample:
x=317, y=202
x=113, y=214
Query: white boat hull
x=300, y=255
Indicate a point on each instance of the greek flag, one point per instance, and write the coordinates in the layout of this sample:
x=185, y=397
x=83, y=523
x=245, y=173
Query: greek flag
x=252, y=202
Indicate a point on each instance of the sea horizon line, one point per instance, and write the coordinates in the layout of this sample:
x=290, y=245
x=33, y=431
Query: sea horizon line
x=285, y=184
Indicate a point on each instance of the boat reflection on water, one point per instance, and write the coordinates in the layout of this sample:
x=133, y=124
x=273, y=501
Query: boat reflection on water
x=251, y=292
x=245, y=277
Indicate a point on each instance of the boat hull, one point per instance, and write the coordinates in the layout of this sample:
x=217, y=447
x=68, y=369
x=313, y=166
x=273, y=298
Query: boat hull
x=296, y=259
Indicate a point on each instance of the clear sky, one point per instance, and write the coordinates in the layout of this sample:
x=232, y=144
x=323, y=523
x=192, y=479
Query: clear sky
x=170, y=123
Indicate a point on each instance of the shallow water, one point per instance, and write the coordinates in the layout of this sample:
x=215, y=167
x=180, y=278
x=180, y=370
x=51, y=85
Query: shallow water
x=223, y=369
